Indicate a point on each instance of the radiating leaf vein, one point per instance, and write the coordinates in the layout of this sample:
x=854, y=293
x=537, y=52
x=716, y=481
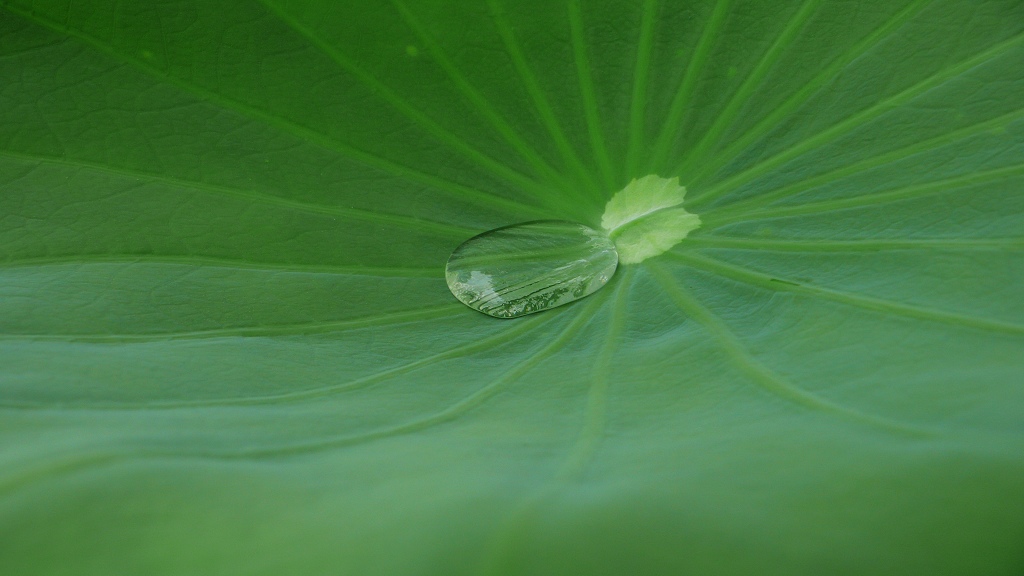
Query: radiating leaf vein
x=432, y=127
x=723, y=119
x=865, y=245
x=540, y=100
x=503, y=337
x=200, y=261
x=502, y=540
x=452, y=189
x=856, y=120
x=820, y=80
x=922, y=146
x=875, y=199
x=410, y=222
x=421, y=314
x=506, y=130
x=883, y=306
x=757, y=371
x=682, y=104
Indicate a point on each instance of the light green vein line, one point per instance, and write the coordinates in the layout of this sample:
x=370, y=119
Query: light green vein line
x=681, y=106
x=922, y=146
x=817, y=245
x=64, y=466
x=641, y=73
x=713, y=221
x=814, y=85
x=539, y=165
x=597, y=397
x=252, y=331
x=451, y=189
x=540, y=101
x=856, y=120
x=880, y=305
x=253, y=196
x=504, y=336
x=381, y=90
x=79, y=462
x=589, y=96
x=591, y=433
x=724, y=119
x=214, y=262
x=758, y=372
x=583, y=316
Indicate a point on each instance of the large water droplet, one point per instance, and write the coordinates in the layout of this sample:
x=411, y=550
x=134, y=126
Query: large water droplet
x=525, y=268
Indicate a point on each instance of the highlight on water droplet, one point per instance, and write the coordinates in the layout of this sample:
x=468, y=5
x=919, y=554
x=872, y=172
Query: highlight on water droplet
x=525, y=268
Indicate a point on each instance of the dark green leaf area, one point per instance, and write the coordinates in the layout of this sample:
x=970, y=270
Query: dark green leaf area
x=227, y=345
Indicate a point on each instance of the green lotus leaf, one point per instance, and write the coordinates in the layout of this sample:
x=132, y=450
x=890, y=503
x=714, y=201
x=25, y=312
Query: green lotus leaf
x=227, y=345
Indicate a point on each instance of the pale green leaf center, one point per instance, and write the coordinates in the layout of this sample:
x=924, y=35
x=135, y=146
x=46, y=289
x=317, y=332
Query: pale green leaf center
x=646, y=218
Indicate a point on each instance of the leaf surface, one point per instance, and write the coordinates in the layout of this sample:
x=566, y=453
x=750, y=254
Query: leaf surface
x=227, y=346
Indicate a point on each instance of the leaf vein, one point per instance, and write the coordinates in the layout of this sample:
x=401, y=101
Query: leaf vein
x=251, y=195
x=866, y=164
x=408, y=110
x=756, y=370
x=404, y=316
x=755, y=278
x=450, y=188
x=878, y=198
x=801, y=96
x=856, y=120
x=723, y=120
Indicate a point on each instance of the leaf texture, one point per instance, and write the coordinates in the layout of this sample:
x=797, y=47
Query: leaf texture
x=227, y=346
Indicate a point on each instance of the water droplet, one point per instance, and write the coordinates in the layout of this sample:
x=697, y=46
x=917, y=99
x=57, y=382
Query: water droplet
x=525, y=268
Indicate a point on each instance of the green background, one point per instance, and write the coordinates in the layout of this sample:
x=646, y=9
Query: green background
x=227, y=347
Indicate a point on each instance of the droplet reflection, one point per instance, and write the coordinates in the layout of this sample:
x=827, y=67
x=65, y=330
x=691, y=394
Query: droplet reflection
x=525, y=268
